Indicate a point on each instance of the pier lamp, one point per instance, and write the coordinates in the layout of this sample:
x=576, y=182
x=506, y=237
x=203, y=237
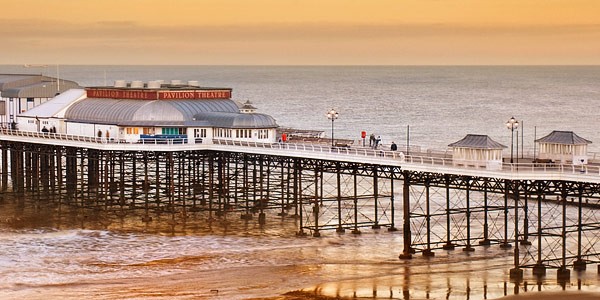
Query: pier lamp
x=512, y=124
x=332, y=115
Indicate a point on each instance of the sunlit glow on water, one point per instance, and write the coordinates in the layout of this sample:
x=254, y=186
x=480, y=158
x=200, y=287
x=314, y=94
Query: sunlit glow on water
x=68, y=252
x=58, y=252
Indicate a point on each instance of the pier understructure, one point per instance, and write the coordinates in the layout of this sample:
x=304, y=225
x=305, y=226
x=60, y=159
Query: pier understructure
x=546, y=224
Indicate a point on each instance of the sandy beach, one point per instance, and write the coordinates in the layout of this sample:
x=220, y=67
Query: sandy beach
x=554, y=296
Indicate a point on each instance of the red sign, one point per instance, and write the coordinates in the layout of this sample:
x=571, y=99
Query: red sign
x=194, y=94
x=160, y=94
x=122, y=94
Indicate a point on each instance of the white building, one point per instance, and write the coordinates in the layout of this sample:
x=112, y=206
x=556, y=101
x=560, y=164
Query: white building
x=145, y=112
x=478, y=151
x=563, y=147
x=22, y=92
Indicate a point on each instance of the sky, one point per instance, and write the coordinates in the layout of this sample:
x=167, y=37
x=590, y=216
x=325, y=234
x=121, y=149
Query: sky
x=301, y=32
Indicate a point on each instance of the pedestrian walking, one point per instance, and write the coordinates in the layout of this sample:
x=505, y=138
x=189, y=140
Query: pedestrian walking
x=394, y=147
x=372, y=140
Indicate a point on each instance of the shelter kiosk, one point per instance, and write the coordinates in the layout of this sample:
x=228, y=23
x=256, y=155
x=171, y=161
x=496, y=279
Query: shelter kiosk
x=563, y=147
x=478, y=151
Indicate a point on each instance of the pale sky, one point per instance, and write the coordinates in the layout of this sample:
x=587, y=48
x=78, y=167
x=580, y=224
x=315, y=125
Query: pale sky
x=300, y=32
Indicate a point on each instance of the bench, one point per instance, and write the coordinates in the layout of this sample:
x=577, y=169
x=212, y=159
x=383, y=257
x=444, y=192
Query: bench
x=342, y=145
x=538, y=162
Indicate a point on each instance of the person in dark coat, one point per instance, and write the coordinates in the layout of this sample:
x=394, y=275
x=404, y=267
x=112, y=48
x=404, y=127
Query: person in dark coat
x=371, y=140
x=394, y=147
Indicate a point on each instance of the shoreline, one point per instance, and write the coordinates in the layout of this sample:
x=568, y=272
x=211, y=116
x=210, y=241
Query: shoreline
x=554, y=295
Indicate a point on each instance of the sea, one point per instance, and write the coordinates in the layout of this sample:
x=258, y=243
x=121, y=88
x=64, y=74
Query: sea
x=50, y=251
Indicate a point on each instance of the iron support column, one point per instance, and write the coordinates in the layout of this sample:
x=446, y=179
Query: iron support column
x=407, y=250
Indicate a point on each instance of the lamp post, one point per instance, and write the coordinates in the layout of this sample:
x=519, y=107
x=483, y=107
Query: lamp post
x=332, y=115
x=512, y=124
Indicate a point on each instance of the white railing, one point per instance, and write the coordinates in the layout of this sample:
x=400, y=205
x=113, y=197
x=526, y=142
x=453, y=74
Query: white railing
x=89, y=139
x=433, y=158
x=434, y=161
x=396, y=155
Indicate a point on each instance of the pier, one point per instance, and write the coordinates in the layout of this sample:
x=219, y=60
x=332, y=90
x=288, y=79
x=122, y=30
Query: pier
x=547, y=215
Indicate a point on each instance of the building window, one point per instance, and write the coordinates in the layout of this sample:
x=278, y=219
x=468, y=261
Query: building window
x=263, y=134
x=132, y=130
x=243, y=133
x=200, y=132
x=223, y=133
x=173, y=131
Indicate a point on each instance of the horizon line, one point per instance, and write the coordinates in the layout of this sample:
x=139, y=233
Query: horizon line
x=48, y=65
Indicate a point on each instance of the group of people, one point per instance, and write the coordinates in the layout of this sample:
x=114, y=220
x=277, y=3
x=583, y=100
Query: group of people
x=51, y=130
x=374, y=142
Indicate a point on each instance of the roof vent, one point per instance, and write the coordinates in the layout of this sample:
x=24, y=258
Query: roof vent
x=120, y=83
x=154, y=84
x=176, y=82
x=194, y=83
x=136, y=84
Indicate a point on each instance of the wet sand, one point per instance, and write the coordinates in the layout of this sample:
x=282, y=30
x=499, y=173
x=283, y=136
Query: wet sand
x=239, y=260
x=554, y=296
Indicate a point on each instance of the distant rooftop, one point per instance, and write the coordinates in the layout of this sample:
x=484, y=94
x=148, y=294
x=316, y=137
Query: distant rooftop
x=477, y=141
x=563, y=137
x=33, y=86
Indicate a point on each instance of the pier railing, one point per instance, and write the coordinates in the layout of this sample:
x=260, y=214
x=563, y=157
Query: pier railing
x=438, y=159
x=430, y=158
x=90, y=139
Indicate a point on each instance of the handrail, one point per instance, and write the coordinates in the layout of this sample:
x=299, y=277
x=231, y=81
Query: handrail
x=398, y=156
x=89, y=139
x=429, y=160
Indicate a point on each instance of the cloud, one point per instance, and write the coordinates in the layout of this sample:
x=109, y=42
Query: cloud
x=297, y=43
x=113, y=31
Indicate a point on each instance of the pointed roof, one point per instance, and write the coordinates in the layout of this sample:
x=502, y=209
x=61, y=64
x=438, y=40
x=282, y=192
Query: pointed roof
x=248, y=105
x=563, y=137
x=477, y=141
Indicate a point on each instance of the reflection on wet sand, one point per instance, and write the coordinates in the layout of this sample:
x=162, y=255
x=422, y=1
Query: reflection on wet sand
x=60, y=252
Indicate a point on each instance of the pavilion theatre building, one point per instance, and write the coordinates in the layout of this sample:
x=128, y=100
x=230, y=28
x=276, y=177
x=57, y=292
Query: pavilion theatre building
x=137, y=111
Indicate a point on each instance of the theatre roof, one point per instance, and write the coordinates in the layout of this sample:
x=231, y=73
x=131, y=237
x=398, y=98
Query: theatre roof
x=237, y=120
x=183, y=112
x=563, y=137
x=477, y=141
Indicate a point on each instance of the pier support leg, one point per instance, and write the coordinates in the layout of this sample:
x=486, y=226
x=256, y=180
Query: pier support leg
x=468, y=247
x=539, y=270
x=406, y=251
x=516, y=272
x=563, y=274
x=375, y=198
x=505, y=244
x=525, y=237
x=579, y=264
x=316, y=203
x=355, y=200
x=428, y=252
x=392, y=199
x=486, y=239
x=340, y=228
x=449, y=245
